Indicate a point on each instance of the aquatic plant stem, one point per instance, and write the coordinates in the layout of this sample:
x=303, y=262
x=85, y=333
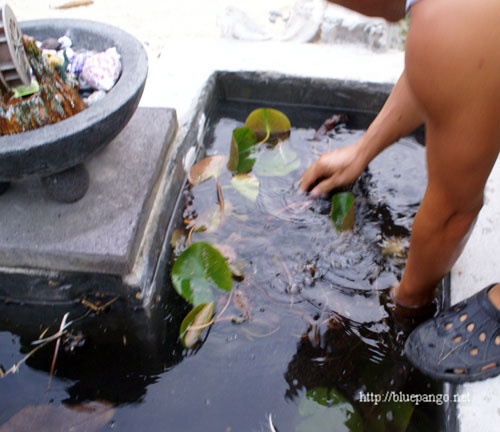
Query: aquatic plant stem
x=297, y=206
x=40, y=344
x=56, y=351
x=216, y=319
x=226, y=305
x=268, y=134
x=260, y=336
x=190, y=234
x=221, y=200
x=15, y=367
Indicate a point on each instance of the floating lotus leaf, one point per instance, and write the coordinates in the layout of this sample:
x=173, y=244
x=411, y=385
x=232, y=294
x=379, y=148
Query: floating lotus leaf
x=326, y=410
x=243, y=151
x=342, y=213
x=276, y=163
x=193, y=325
x=268, y=123
x=199, y=268
x=211, y=166
x=247, y=185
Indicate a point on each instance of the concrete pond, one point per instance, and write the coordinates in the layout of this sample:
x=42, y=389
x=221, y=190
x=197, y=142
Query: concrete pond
x=113, y=248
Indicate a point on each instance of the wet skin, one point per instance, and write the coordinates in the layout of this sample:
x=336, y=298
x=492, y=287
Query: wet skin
x=451, y=82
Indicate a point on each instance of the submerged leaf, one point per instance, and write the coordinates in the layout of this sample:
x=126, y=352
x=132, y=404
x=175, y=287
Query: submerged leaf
x=194, y=323
x=342, y=213
x=276, y=163
x=87, y=417
x=199, y=268
x=325, y=410
x=211, y=166
x=247, y=185
x=210, y=220
x=268, y=123
x=393, y=416
x=242, y=155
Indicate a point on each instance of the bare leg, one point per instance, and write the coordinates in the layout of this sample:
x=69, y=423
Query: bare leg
x=462, y=131
x=494, y=295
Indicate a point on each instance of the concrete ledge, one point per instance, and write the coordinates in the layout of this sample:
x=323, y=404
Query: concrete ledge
x=101, y=233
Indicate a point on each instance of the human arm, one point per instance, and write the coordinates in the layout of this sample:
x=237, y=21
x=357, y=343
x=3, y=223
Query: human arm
x=391, y=10
x=457, y=86
x=399, y=116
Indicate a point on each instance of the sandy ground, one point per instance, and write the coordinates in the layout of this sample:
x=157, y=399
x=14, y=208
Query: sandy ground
x=154, y=21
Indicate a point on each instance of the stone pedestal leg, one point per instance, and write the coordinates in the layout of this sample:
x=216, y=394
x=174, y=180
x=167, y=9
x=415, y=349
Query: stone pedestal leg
x=67, y=186
x=3, y=187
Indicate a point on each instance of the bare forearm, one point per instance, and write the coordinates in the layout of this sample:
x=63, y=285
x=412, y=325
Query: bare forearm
x=399, y=116
x=391, y=10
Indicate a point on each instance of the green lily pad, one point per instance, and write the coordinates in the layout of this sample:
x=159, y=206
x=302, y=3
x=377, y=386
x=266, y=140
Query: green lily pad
x=242, y=156
x=268, y=123
x=326, y=410
x=276, y=163
x=192, y=325
x=247, y=185
x=342, y=213
x=199, y=268
x=211, y=166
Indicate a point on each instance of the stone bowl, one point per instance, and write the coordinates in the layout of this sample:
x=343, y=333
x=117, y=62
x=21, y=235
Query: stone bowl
x=57, y=147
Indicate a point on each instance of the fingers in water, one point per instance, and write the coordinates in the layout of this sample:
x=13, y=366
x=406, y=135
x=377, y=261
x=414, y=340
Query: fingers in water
x=323, y=187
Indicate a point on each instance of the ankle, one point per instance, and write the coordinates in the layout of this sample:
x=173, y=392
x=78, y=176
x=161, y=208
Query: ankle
x=402, y=310
x=494, y=295
x=411, y=299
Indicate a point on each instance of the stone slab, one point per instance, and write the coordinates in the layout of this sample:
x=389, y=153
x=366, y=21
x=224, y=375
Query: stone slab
x=100, y=233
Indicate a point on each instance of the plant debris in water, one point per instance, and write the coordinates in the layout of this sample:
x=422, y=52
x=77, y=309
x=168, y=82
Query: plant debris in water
x=201, y=266
x=301, y=332
x=329, y=124
x=292, y=255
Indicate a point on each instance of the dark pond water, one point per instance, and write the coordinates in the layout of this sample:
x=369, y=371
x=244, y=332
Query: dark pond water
x=305, y=341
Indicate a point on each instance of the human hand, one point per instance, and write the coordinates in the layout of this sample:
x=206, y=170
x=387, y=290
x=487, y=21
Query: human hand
x=333, y=169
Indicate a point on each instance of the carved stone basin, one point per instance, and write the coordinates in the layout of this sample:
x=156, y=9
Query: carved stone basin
x=60, y=146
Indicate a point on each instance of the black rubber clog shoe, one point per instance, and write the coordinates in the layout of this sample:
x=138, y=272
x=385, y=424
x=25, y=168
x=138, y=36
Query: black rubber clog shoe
x=461, y=344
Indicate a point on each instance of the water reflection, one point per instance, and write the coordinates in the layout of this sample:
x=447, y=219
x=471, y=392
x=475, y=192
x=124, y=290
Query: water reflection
x=113, y=355
x=234, y=378
x=309, y=329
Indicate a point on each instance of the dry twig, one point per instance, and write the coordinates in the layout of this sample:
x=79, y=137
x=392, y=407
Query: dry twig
x=56, y=350
x=72, y=4
x=96, y=308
